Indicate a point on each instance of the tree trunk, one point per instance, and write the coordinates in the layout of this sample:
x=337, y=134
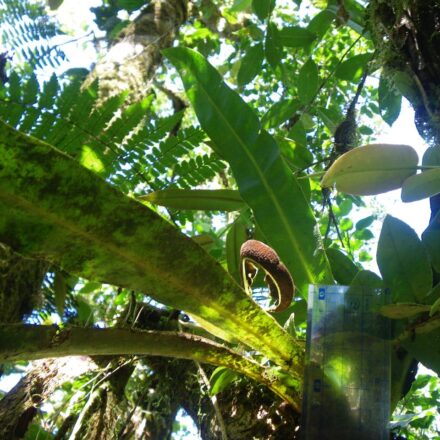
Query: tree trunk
x=20, y=284
x=131, y=62
x=20, y=405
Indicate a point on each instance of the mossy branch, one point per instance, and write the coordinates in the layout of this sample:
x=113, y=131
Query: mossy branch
x=30, y=342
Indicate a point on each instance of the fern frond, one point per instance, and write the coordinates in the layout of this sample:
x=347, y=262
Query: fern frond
x=136, y=154
x=26, y=33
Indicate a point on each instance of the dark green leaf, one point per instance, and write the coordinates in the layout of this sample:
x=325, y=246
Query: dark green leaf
x=343, y=268
x=130, y=5
x=280, y=112
x=296, y=36
x=365, y=222
x=368, y=279
x=250, y=65
x=308, y=81
x=390, y=101
x=425, y=348
x=353, y=68
x=55, y=4
x=60, y=289
x=299, y=135
x=263, y=8
x=264, y=181
x=431, y=157
x=406, y=85
x=364, y=234
x=272, y=48
x=321, y=23
x=403, y=262
x=431, y=239
x=330, y=116
x=421, y=185
x=197, y=199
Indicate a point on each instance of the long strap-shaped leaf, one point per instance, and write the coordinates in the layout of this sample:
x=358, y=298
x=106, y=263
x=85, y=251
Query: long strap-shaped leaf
x=52, y=207
x=264, y=180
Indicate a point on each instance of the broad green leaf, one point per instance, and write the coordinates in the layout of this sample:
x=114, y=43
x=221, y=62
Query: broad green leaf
x=422, y=185
x=235, y=237
x=356, y=15
x=263, y=8
x=424, y=347
x=321, y=22
x=221, y=378
x=264, y=181
x=250, y=65
x=390, y=101
x=330, y=117
x=295, y=37
x=280, y=112
x=406, y=84
x=368, y=279
x=431, y=239
x=52, y=207
x=365, y=222
x=372, y=169
x=431, y=156
x=130, y=5
x=353, y=68
x=298, y=134
x=343, y=268
x=197, y=199
x=54, y=4
x=272, y=48
x=403, y=262
x=308, y=81
x=403, y=310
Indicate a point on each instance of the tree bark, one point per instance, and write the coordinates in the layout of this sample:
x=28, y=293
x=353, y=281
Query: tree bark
x=20, y=405
x=131, y=62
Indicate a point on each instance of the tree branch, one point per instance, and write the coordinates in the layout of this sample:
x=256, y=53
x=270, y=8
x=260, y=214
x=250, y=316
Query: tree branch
x=28, y=342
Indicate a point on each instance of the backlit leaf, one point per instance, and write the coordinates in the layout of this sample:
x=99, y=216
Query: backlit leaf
x=372, y=169
x=308, y=81
x=263, y=8
x=295, y=36
x=390, y=101
x=422, y=185
x=250, y=65
x=353, y=68
x=403, y=262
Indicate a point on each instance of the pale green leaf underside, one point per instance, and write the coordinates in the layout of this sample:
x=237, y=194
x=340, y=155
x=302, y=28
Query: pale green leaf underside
x=372, y=169
x=420, y=186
